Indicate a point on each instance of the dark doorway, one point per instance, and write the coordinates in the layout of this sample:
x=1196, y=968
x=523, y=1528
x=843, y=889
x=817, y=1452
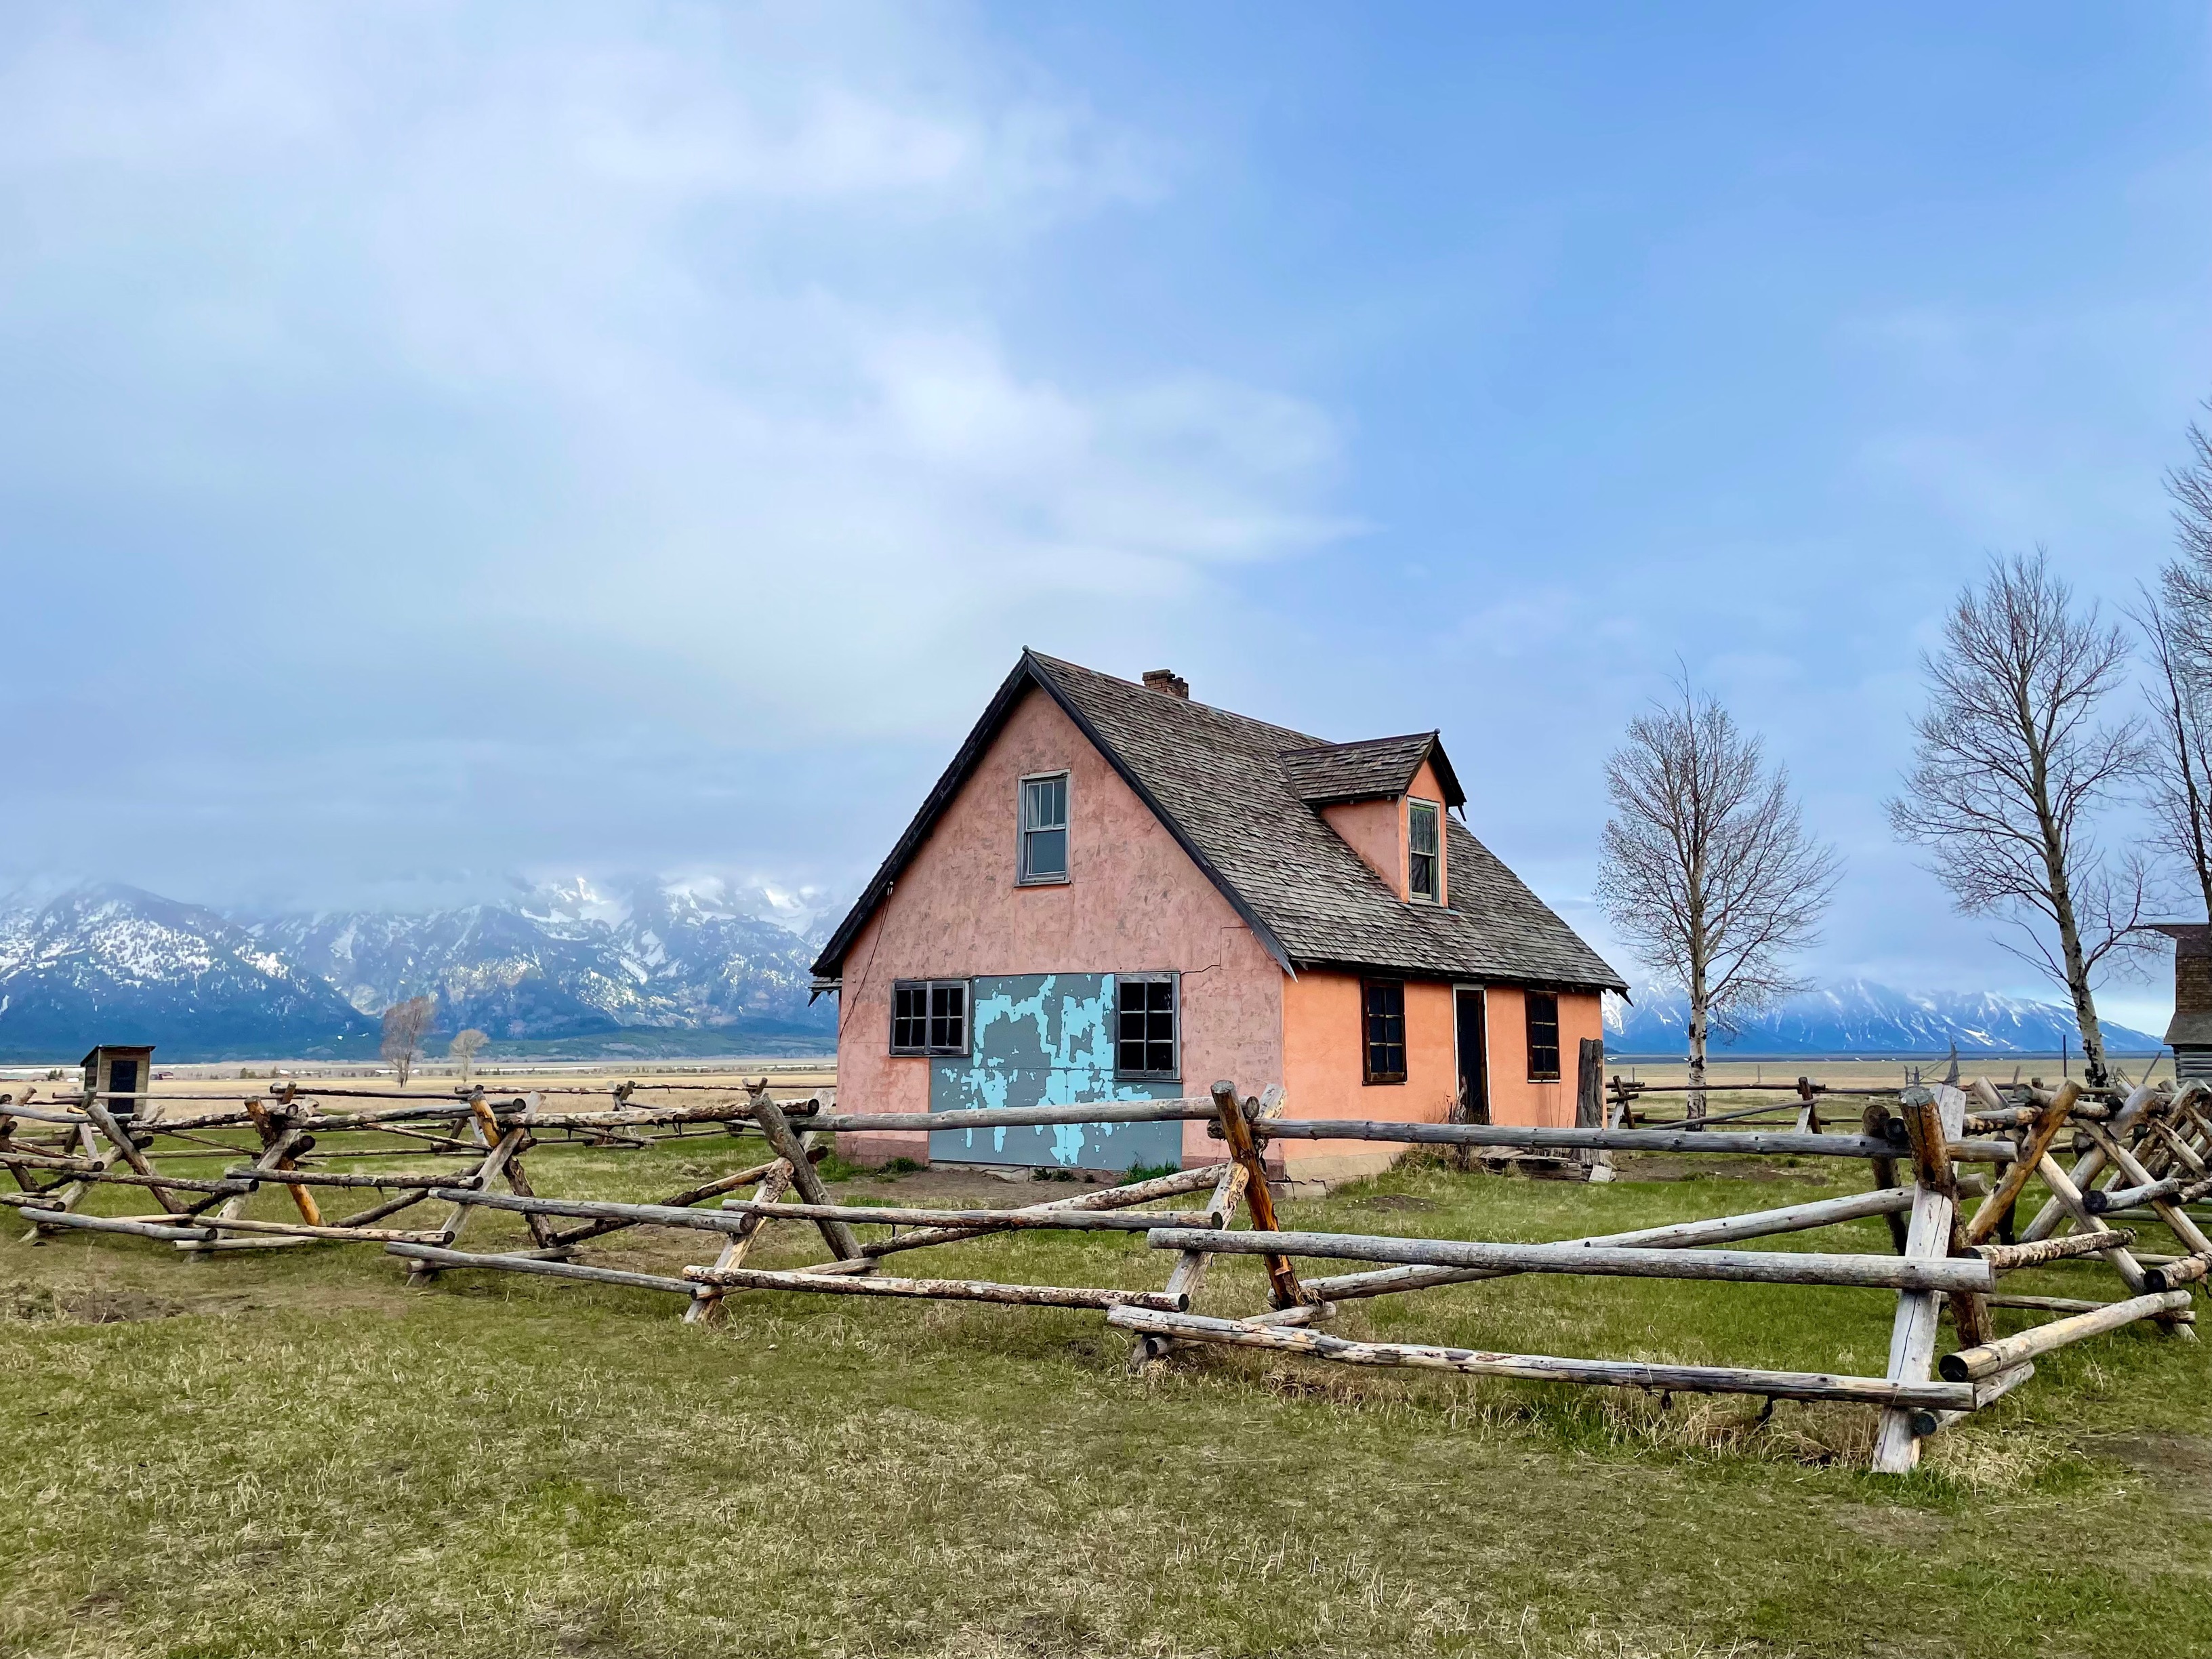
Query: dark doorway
x=123, y=1079
x=1473, y=1055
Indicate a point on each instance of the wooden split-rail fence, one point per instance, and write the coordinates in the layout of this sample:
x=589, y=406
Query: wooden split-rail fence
x=2142, y=1157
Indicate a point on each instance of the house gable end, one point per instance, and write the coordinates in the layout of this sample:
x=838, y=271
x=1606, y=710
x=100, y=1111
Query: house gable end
x=1029, y=672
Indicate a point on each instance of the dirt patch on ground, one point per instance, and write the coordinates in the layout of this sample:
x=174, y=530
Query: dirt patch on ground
x=41, y=1305
x=1892, y=1524
x=118, y=1305
x=2180, y=1463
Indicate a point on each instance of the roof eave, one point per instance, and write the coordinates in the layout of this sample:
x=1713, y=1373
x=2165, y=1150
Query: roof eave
x=830, y=963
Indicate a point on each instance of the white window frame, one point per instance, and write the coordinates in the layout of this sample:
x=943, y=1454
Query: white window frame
x=1023, y=831
x=928, y=989
x=1174, y=981
x=1415, y=805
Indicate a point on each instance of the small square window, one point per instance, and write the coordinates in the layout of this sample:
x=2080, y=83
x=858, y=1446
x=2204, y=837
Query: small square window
x=1383, y=1019
x=1044, y=828
x=929, y=1016
x=1543, y=1036
x=1424, y=863
x=1144, y=1022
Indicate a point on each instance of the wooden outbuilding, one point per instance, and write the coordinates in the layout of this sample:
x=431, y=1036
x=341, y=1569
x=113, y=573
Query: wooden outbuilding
x=119, y=1069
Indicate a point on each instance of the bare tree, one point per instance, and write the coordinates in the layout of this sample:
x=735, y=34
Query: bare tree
x=2178, y=767
x=405, y=1025
x=2177, y=626
x=2011, y=765
x=1708, y=871
x=465, y=1048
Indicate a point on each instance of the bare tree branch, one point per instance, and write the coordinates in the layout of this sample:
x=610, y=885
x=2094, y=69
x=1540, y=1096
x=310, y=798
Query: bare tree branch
x=406, y=1023
x=1708, y=870
x=465, y=1048
x=2177, y=626
x=2012, y=762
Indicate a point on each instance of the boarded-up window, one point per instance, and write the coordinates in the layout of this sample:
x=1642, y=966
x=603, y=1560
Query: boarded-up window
x=1424, y=862
x=1145, y=1026
x=929, y=1016
x=1044, y=828
x=1383, y=1014
x=1543, y=1037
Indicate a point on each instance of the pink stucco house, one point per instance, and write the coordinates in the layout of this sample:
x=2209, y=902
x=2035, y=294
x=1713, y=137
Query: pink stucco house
x=1117, y=892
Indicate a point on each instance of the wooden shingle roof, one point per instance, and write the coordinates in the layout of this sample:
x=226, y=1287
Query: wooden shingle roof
x=1242, y=798
x=1377, y=769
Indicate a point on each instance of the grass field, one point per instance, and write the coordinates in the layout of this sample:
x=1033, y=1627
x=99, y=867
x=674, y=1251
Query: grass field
x=290, y=1453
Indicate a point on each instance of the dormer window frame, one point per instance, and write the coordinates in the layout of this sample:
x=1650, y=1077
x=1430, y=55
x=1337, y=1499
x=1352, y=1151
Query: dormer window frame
x=1424, y=887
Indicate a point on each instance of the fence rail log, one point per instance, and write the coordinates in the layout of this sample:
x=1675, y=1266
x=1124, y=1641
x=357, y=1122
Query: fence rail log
x=1778, y=1144
x=1999, y=1204
x=1764, y=1267
x=946, y=1289
x=1017, y=1117
x=726, y=1217
x=2173, y=1275
x=310, y=1230
x=314, y=1177
x=2006, y=1257
x=528, y=1264
x=1544, y=1368
x=1926, y=1420
x=1039, y=1218
x=1969, y=1363
x=1680, y=1235
x=1142, y=1192
x=137, y=1226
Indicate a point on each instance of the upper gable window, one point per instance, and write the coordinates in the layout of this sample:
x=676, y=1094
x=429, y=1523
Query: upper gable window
x=1044, y=828
x=1425, y=861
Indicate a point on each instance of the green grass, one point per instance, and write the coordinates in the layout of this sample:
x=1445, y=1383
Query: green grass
x=290, y=1453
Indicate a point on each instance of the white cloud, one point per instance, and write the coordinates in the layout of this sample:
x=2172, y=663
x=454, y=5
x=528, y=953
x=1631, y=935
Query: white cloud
x=560, y=337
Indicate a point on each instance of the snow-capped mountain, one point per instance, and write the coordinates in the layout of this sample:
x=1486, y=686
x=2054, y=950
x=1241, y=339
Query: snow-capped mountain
x=565, y=961
x=1856, y=1017
x=653, y=967
x=109, y=963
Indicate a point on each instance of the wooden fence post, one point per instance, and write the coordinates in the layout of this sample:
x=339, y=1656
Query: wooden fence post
x=1933, y=1117
x=1589, y=1102
x=843, y=1242
x=1282, y=1288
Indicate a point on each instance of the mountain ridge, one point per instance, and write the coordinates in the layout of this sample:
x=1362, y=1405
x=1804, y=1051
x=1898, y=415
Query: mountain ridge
x=653, y=967
x=1862, y=1017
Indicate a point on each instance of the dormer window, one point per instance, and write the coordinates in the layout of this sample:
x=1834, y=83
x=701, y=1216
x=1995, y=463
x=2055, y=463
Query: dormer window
x=1044, y=856
x=1424, y=863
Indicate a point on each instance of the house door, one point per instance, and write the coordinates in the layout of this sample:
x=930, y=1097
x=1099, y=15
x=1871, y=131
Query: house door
x=1473, y=1041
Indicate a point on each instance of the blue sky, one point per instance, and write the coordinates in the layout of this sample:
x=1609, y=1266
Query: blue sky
x=439, y=443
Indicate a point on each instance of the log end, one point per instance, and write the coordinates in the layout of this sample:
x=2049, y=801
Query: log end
x=1953, y=1368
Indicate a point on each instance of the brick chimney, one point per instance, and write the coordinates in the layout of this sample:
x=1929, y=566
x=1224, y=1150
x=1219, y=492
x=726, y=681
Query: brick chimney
x=1168, y=681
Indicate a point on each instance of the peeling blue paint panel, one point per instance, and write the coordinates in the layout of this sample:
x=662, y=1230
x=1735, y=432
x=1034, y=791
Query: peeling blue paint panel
x=1045, y=1039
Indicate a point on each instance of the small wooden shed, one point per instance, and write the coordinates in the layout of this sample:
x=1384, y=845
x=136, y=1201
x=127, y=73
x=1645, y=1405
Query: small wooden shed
x=2190, y=1035
x=119, y=1069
